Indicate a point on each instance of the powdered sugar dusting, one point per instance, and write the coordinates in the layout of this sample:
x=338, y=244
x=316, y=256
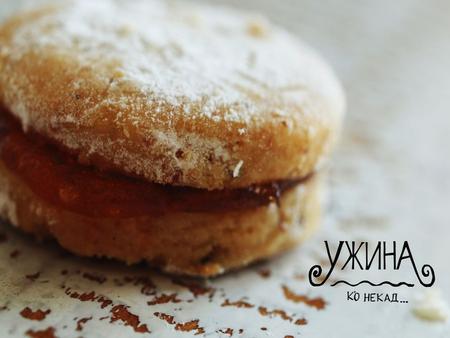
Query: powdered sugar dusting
x=177, y=93
x=183, y=53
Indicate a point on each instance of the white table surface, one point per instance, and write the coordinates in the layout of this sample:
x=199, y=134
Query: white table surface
x=389, y=181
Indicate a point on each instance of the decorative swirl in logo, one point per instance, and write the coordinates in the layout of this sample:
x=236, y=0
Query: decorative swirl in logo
x=316, y=272
x=427, y=271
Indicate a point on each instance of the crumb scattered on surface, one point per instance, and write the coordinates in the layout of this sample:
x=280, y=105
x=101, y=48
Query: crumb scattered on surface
x=81, y=322
x=265, y=273
x=164, y=299
x=258, y=28
x=431, y=306
x=239, y=304
x=301, y=321
x=34, y=315
x=195, y=287
x=317, y=302
x=192, y=325
x=274, y=313
x=47, y=333
x=121, y=313
x=94, y=277
x=228, y=331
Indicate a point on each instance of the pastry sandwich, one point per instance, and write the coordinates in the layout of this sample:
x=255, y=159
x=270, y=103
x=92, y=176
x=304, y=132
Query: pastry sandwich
x=187, y=136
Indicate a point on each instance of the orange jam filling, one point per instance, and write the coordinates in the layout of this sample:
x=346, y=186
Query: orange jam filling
x=56, y=177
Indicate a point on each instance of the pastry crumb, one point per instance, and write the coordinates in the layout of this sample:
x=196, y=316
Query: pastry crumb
x=431, y=306
x=258, y=28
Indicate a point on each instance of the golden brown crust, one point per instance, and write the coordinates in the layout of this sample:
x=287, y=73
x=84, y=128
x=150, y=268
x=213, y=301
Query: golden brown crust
x=235, y=135
x=199, y=244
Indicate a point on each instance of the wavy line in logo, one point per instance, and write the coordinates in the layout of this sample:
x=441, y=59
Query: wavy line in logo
x=372, y=284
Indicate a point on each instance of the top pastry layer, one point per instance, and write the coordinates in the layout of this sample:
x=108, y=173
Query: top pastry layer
x=176, y=93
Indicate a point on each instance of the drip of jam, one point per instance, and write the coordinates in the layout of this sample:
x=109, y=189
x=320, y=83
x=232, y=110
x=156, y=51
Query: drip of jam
x=56, y=176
